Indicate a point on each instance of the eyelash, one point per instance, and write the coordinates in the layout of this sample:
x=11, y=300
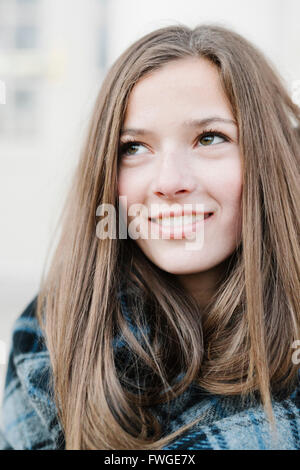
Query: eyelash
x=211, y=132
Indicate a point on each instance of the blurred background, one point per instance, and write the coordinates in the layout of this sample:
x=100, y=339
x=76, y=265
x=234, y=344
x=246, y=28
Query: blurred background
x=53, y=57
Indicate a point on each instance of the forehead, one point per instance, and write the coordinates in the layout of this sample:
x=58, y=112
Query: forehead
x=180, y=86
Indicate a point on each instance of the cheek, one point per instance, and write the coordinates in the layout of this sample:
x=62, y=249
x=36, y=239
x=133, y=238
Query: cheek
x=228, y=193
x=132, y=185
x=226, y=184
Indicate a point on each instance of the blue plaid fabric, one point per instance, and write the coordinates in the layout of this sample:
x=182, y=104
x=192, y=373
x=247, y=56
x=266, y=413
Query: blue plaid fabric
x=29, y=415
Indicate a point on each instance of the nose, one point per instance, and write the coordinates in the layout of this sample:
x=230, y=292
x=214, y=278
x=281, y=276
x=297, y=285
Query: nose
x=173, y=178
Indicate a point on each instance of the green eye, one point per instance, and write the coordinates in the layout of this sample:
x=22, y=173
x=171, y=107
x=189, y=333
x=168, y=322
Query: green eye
x=128, y=148
x=207, y=138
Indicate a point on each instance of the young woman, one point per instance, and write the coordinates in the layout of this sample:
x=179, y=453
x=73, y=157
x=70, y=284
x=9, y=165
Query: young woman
x=168, y=342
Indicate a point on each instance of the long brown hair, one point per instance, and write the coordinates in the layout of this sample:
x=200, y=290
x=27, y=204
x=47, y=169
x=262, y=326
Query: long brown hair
x=241, y=343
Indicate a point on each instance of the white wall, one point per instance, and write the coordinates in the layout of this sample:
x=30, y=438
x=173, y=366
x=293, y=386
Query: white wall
x=273, y=25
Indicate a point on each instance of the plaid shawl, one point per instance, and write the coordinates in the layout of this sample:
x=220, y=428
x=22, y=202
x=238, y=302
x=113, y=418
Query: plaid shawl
x=29, y=415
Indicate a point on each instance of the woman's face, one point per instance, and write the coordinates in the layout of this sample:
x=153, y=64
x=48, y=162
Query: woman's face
x=169, y=163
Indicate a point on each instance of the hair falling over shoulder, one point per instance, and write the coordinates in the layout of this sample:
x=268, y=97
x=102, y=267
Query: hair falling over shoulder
x=241, y=343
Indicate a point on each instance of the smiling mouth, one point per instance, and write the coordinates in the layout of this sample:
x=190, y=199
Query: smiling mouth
x=180, y=221
x=180, y=227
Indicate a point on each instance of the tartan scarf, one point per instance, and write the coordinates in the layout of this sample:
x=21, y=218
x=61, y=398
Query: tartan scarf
x=30, y=421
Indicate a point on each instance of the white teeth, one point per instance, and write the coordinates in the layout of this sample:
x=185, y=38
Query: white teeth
x=178, y=221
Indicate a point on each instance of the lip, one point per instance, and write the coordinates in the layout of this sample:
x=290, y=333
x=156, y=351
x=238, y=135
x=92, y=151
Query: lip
x=177, y=213
x=181, y=232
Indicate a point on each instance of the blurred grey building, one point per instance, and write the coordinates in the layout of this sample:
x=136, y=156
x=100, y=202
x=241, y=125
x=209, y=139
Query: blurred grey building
x=53, y=54
x=31, y=59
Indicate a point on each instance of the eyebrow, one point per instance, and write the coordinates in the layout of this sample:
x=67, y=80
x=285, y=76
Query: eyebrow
x=188, y=123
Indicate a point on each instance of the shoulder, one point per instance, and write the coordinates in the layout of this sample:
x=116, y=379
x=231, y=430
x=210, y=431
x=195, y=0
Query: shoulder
x=29, y=413
x=27, y=336
x=27, y=341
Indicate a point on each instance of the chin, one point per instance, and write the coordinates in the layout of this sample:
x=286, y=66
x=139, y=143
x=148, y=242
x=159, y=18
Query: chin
x=183, y=268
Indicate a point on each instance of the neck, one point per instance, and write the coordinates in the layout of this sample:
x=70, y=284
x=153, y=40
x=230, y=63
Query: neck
x=203, y=285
